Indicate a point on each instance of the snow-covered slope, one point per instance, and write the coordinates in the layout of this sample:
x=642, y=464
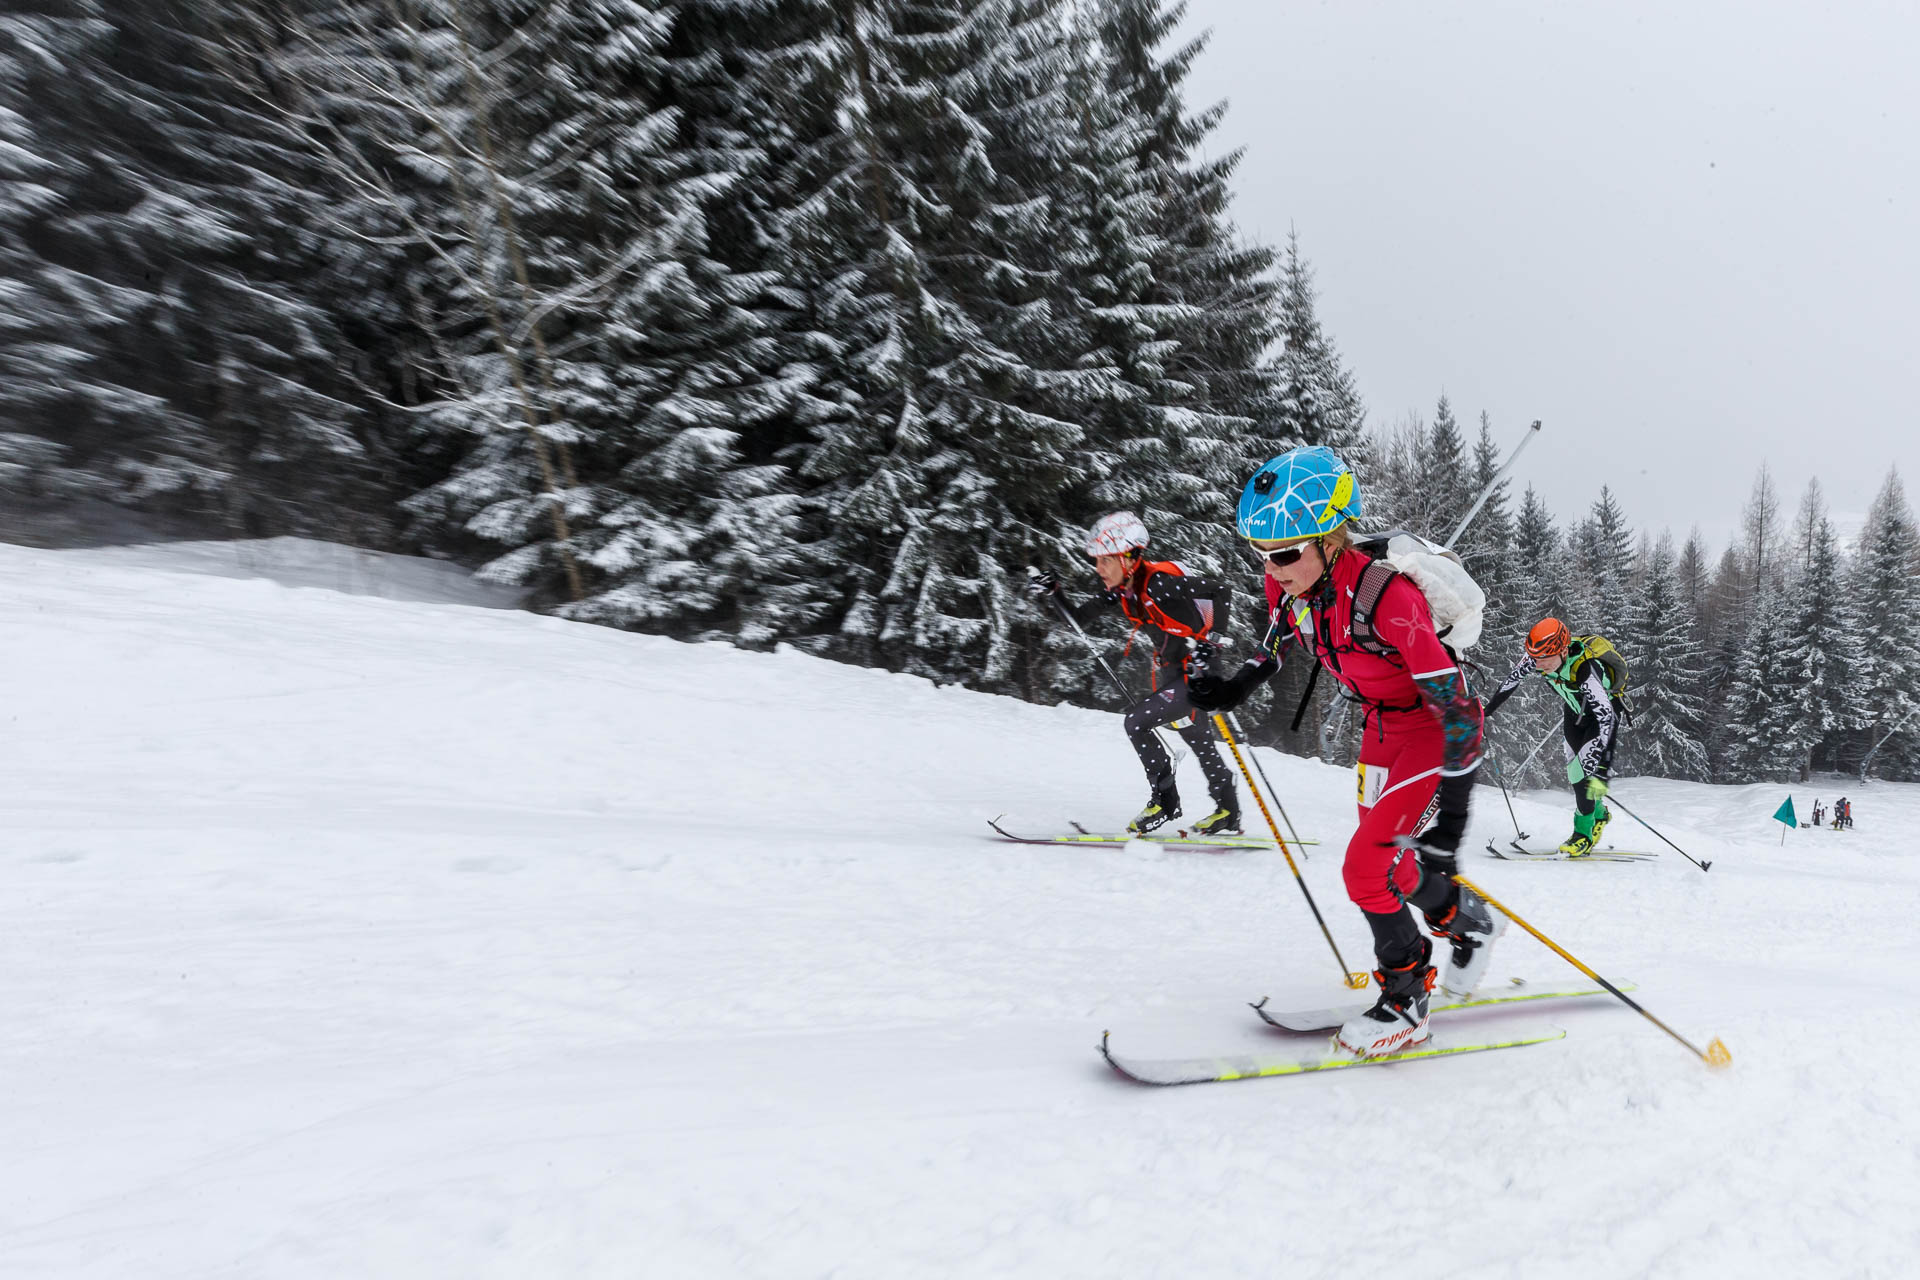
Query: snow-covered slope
x=303, y=562
x=350, y=936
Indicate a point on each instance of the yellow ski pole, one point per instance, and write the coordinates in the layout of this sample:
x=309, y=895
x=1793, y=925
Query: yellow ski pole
x=1714, y=1055
x=1352, y=979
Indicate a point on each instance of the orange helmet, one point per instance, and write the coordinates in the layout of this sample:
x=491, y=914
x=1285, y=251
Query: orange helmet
x=1548, y=639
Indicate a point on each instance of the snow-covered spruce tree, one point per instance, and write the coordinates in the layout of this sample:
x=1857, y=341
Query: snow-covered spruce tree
x=1805, y=532
x=1150, y=447
x=1541, y=588
x=1723, y=612
x=1820, y=653
x=1665, y=676
x=45, y=316
x=1753, y=558
x=1224, y=285
x=651, y=355
x=1693, y=572
x=1487, y=545
x=197, y=369
x=1448, y=478
x=409, y=106
x=1758, y=742
x=925, y=240
x=1885, y=597
x=1393, y=461
x=730, y=80
x=677, y=373
x=1763, y=539
x=1314, y=400
x=1604, y=547
x=1420, y=476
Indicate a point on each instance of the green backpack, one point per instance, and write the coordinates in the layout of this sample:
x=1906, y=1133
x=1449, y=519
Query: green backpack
x=1597, y=648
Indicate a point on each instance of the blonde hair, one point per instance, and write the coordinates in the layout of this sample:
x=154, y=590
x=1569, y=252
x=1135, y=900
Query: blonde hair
x=1337, y=539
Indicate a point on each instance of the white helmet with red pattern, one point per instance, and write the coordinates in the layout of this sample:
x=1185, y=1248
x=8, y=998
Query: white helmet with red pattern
x=1117, y=534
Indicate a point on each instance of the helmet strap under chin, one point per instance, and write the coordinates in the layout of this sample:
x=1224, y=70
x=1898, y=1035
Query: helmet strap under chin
x=1325, y=580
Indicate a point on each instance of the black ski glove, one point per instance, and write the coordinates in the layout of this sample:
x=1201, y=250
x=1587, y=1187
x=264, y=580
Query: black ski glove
x=1211, y=693
x=1438, y=849
x=1450, y=825
x=1042, y=585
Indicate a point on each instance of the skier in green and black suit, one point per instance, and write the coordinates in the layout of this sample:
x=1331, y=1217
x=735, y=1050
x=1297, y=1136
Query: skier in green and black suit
x=1591, y=678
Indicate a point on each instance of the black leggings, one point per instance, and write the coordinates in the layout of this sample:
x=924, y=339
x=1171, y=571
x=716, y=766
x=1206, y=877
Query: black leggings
x=1164, y=707
x=1581, y=730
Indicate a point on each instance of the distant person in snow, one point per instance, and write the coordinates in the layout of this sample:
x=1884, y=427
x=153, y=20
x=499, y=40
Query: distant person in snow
x=1179, y=608
x=1370, y=627
x=1816, y=813
x=1590, y=677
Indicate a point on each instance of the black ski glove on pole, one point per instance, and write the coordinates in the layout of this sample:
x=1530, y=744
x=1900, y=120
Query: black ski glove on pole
x=1450, y=824
x=1042, y=585
x=1211, y=693
x=1438, y=848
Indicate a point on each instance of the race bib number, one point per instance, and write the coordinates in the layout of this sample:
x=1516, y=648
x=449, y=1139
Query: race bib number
x=1371, y=784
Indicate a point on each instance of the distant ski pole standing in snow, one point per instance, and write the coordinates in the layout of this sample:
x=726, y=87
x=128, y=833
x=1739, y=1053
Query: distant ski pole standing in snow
x=1179, y=607
x=1590, y=677
x=1366, y=610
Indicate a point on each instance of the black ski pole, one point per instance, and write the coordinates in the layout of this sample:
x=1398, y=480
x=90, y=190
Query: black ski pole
x=1518, y=834
x=1126, y=697
x=1614, y=799
x=1266, y=645
x=1061, y=605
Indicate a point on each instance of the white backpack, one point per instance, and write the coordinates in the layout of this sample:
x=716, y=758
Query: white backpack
x=1453, y=597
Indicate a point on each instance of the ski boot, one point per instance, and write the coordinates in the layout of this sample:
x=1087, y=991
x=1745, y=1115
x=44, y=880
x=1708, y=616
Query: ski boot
x=1600, y=821
x=1471, y=927
x=1398, y=1019
x=1223, y=821
x=1577, y=845
x=1163, y=808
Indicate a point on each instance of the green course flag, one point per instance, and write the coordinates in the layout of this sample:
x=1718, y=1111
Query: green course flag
x=1785, y=814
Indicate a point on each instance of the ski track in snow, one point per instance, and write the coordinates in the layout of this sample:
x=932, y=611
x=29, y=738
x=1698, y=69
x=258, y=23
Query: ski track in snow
x=368, y=936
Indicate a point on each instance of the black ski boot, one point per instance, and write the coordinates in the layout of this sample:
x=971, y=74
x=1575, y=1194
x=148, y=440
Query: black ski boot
x=1470, y=927
x=1163, y=808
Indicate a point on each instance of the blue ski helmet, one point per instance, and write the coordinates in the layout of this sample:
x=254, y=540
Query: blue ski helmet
x=1300, y=494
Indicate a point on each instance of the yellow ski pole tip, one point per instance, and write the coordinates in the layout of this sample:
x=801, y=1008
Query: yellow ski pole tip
x=1717, y=1055
x=1358, y=981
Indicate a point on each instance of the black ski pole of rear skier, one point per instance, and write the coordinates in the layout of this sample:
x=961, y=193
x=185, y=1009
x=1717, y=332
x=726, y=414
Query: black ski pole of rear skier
x=1126, y=696
x=1348, y=976
x=1614, y=799
x=1518, y=834
x=1714, y=1055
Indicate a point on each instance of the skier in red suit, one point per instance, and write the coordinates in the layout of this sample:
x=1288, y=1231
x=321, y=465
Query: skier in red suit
x=1370, y=628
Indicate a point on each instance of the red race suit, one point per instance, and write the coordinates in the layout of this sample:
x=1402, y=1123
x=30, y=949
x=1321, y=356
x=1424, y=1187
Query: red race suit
x=1420, y=721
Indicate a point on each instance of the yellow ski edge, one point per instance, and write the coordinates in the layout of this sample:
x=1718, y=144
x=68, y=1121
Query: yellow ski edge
x=1250, y=1066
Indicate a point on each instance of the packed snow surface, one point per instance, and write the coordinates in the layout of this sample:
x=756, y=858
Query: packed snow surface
x=362, y=936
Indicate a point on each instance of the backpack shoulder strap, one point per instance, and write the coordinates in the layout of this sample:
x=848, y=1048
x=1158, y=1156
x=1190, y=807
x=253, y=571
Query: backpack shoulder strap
x=1373, y=583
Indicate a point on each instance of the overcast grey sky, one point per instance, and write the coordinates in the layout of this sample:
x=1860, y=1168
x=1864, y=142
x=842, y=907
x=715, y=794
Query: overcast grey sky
x=1686, y=235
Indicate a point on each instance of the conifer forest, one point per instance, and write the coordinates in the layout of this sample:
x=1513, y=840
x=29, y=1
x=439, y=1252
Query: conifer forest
x=802, y=322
